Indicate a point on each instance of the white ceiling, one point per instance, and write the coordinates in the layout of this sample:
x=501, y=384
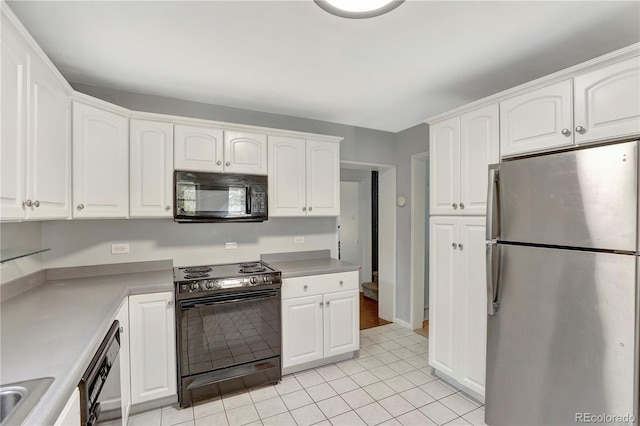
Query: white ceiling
x=293, y=58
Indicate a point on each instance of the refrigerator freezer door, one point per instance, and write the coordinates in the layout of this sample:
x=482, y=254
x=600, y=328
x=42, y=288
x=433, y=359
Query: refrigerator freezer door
x=563, y=340
x=582, y=198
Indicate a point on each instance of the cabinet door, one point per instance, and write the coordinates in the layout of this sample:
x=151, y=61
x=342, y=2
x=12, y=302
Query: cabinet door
x=245, y=153
x=479, y=147
x=70, y=415
x=301, y=330
x=471, y=305
x=198, y=148
x=287, y=176
x=443, y=258
x=323, y=178
x=13, y=129
x=100, y=163
x=537, y=120
x=125, y=361
x=608, y=102
x=444, y=167
x=48, y=146
x=341, y=322
x=152, y=346
x=151, y=178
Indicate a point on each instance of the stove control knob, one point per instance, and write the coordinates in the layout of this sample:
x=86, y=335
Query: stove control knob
x=254, y=280
x=266, y=278
x=195, y=286
x=209, y=284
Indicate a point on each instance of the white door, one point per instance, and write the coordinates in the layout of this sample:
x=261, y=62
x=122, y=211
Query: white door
x=100, y=163
x=444, y=167
x=537, y=120
x=48, y=146
x=13, y=129
x=286, y=176
x=152, y=346
x=198, y=148
x=607, y=103
x=302, y=326
x=245, y=153
x=350, y=222
x=479, y=147
x=323, y=178
x=471, y=305
x=341, y=322
x=125, y=362
x=151, y=174
x=443, y=262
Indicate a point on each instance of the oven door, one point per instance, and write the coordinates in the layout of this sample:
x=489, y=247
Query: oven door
x=217, y=197
x=228, y=329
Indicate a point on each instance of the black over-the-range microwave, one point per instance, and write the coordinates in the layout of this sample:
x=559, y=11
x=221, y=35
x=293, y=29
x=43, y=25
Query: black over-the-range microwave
x=219, y=197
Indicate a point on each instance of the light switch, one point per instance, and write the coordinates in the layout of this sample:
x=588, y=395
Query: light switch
x=298, y=240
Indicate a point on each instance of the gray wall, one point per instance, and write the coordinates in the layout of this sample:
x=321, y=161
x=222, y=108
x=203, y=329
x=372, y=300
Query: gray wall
x=409, y=142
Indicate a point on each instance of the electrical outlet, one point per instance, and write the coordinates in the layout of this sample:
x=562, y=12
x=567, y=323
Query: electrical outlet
x=119, y=248
x=298, y=240
x=231, y=246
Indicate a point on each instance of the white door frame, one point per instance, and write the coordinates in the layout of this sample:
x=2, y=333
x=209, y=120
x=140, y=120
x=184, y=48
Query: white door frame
x=418, y=224
x=387, y=257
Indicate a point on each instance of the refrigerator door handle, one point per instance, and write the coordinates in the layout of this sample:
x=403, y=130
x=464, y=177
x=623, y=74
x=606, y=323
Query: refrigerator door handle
x=493, y=278
x=493, y=207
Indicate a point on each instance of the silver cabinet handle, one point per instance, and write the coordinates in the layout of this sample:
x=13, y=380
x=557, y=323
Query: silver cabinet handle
x=27, y=203
x=455, y=206
x=304, y=209
x=170, y=303
x=227, y=163
x=219, y=163
x=454, y=245
x=580, y=130
x=320, y=304
x=305, y=287
x=121, y=330
x=327, y=303
x=460, y=246
x=310, y=208
x=341, y=282
x=36, y=203
x=167, y=208
x=461, y=206
x=80, y=206
x=565, y=132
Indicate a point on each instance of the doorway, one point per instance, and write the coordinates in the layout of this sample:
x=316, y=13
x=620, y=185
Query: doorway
x=356, y=235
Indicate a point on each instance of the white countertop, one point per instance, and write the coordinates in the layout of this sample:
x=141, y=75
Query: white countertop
x=54, y=330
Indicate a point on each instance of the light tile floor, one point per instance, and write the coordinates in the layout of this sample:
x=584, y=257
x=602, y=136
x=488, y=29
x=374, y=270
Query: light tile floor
x=390, y=383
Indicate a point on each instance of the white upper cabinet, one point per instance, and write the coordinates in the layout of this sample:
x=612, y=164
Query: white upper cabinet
x=607, y=102
x=245, y=153
x=323, y=178
x=198, y=149
x=537, y=120
x=100, y=163
x=304, y=177
x=36, y=139
x=460, y=150
x=444, y=154
x=287, y=186
x=49, y=146
x=151, y=172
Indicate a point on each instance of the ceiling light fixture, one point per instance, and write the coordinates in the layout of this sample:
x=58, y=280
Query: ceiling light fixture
x=356, y=9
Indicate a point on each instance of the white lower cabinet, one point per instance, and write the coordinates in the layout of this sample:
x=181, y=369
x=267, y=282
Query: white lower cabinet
x=70, y=415
x=458, y=299
x=152, y=346
x=320, y=317
x=125, y=362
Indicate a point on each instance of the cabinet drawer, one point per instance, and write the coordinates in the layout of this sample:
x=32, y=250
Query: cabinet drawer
x=319, y=284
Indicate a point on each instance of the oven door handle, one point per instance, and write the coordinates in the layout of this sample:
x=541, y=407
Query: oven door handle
x=204, y=304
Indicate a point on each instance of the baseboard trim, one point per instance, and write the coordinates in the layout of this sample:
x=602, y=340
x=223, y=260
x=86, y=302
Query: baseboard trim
x=403, y=323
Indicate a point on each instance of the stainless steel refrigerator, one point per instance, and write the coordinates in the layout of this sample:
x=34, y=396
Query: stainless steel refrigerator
x=562, y=282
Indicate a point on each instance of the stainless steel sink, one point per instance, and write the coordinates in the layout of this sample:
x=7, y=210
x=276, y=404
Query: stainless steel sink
x=18, y=399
